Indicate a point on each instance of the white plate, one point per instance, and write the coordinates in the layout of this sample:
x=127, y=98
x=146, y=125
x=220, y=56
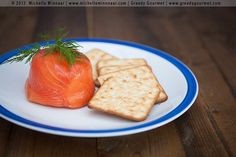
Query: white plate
x=178, y=81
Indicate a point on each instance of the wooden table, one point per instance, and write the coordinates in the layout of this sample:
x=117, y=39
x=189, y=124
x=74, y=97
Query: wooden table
x=203, y=38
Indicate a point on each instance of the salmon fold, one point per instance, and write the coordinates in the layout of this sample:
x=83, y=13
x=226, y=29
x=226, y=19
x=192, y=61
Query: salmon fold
x=53, y=82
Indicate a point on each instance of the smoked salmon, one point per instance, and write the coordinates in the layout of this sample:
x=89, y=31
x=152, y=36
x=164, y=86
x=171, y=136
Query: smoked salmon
x=53, y=82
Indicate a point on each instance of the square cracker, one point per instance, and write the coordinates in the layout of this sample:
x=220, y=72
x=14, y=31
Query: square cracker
x=136, y=71
x=110, y=69
x=120, y=62
x=128, y=97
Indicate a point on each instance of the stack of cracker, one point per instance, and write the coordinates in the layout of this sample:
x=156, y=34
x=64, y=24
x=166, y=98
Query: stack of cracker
x=128, y=87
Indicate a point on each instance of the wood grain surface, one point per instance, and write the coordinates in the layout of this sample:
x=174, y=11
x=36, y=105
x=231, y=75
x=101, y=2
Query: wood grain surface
x=203, y=38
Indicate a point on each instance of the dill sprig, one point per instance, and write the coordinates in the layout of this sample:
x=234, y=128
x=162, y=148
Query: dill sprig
x=67, y=49
x=28, y=54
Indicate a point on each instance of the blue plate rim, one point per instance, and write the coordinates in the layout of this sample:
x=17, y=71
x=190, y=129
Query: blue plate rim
x=190, y=97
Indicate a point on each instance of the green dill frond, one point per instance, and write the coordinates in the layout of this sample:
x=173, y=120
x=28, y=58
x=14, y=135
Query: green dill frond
x=27, y=53
x=67, y=49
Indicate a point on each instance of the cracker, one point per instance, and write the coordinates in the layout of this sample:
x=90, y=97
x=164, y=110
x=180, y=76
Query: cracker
x=120, y=62
x=128, y=97
x=110, y=69
x=138, y=71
